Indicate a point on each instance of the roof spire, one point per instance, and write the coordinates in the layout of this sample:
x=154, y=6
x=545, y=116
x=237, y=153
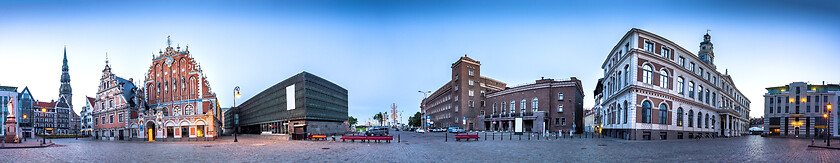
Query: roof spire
x=106, y=59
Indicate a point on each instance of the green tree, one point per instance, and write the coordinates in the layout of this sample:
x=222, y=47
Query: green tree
x=415, y=120
x=379, y=116
x=352, y=120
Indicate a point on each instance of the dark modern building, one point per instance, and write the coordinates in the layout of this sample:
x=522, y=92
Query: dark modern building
x=301, y=104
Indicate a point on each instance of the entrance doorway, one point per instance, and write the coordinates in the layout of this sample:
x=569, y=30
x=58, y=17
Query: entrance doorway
x=121, y=134
x=150, y=128
x=796, y=131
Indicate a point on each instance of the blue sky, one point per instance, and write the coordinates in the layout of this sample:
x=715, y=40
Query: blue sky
x=383, y=52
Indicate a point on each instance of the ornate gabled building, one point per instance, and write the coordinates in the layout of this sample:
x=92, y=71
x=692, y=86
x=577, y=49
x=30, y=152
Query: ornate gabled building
x=178, y=100
x=114, y=106
x=86, y=117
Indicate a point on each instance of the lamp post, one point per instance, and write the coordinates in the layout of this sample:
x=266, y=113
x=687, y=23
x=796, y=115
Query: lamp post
x=828, y=137
x=422, y=107
x=236, y=113
x=44, y=131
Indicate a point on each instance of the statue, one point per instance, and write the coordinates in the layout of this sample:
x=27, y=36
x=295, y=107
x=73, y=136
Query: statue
x=11, y=126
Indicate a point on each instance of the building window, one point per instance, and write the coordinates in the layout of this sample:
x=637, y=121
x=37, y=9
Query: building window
x=471, y=72
x=111, y=119
x=534, y=103
x=666, y=53
x=472, y=104
x=626, y=75
x=502, y=108
x=663, y=79
x=625, y=111
x=512, y=106
x=691, y=67
x=522, y=107
x=649, y=46
x=560, y=96
x=682, y=62
x=456, y=108
x=648, y=71
x=470, y=82
x=663, y=114
x=471, y=93
x=120, y=118
x=563, y=121
x=700, y=93
x=556, y=121
x=646, y=112
x=691, y=89
x=707, y=120
x=679, y=116
x=680, y=85
x=456, y=87
x=699, y=119
x=560, y=108
x=713, y=122
x=707, y=96
x=690, y=118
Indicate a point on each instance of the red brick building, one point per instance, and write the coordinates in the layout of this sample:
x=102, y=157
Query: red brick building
x=458, y=102
x=180, y=102
x=546, y=105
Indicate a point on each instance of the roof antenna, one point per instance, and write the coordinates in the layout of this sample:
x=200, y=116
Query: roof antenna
x=106, y=59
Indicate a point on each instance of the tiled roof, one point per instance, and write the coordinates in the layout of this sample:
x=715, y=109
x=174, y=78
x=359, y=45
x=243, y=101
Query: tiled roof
x=39, y=104
x=91, y=100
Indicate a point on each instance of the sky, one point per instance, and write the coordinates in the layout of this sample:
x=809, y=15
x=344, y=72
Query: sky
x=384, y=52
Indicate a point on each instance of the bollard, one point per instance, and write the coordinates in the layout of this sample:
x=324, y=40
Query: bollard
x=494, y=136
x=398, y=139
x=511, y=136
x=538, y=136
x=520, y=137
x=445, y=139
x=485, y=136
x=556, y=136
x=529, y=136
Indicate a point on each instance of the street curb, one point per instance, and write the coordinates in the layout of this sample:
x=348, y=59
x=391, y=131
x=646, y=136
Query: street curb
x=40, y=146
x=814, y=146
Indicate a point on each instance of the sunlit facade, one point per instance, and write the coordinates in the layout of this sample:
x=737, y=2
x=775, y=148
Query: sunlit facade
x=653, y=89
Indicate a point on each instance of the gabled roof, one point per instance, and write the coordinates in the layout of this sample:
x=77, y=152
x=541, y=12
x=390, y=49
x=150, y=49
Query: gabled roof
x=90, y=100
x=39, y=104
x=62, y=102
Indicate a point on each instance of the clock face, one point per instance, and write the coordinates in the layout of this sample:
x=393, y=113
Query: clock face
x=169, y=61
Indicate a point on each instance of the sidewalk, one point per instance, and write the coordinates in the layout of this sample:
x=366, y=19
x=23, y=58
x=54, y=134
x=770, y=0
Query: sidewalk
x=26, y=144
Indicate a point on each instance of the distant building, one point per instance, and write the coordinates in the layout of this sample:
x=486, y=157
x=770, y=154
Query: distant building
x=654, y=89
x=87, y=117
x=458, y=102
x=7, y=96
x=301, y=104
x=25, y=114
x=798, y=110
x=546, y=105
x=589, y=120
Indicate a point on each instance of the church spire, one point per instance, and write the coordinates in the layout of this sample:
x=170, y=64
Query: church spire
x=65, y=90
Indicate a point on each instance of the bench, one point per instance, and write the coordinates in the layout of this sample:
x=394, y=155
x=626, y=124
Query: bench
x=366, y=138
x=315, y=137
x=468, y=137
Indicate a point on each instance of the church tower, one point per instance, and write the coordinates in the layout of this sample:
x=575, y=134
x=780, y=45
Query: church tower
x=707, y=53
x=65, y=91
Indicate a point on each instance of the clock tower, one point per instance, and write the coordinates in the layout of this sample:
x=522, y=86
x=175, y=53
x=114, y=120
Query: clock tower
x=707, y=53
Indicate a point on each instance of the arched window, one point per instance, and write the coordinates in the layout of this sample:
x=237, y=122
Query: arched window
x=691, y=89
x=679, y=116
x=512, y=106
x=494, y=108
x=646, y=112
x=534, y=103
x=618, y=114
x=619, y=81
x=680, y=85
x=626, y=75
x=699, y=119
x=646, y=75
x=176, y=111
x=663, y=114
x=522, y=106
x=189, y=110
x=503, y=108
x=707, y=120
x=663, y=78
x=626, y=107
x=690, y=118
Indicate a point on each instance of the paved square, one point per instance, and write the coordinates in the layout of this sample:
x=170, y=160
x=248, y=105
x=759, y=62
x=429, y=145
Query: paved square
x=430, y=147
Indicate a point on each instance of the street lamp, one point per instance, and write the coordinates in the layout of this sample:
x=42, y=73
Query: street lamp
x=24, y=135
x=422, y=107
x=236, y=113
x=44, y=131
x=828, y=138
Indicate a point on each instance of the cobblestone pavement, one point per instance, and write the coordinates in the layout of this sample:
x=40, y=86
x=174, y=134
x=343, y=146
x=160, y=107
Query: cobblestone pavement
x=430, y=147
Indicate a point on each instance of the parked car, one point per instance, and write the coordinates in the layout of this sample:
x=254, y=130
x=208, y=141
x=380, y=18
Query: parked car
x=420, y=130
x=377, y=131
x=456, y=130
